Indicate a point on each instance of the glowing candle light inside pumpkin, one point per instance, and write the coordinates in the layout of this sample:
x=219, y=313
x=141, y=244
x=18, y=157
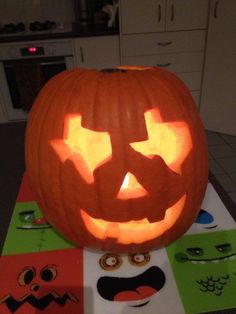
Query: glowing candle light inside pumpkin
x=126, y=182
x=131, y=188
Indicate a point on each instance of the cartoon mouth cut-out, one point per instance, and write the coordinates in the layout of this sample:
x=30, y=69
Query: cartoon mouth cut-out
x=211, y=227
x=135, y=231
x=13, y=304
x=213, y=284
x=135, y=288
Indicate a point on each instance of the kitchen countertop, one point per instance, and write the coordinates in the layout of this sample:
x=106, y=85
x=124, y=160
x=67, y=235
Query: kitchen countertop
x=72, y=31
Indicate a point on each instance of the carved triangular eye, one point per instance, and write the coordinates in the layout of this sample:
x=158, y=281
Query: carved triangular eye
x=131, y=188
x=170, y=140
x=86, y=148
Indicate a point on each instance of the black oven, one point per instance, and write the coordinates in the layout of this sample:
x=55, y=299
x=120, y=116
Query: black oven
x=25, y=78
x=25, y=68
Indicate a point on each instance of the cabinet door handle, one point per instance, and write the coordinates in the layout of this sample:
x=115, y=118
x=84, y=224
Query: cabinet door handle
x=172, y=14
x=164, y=43
x=159, y=12
x=163, y=65
x=81, y=54
x=216, y=9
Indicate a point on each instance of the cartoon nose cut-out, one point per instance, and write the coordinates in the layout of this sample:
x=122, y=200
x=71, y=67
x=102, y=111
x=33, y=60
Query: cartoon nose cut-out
x=131, y=188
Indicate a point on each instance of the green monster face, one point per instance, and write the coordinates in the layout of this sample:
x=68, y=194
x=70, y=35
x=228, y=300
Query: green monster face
x=32, y=231
x=205, y=269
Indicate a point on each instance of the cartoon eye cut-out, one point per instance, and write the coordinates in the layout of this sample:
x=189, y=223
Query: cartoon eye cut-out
x=195, y=251
x=26, y=276
x=170, y=140
x=88, y=149
x=139, y=259
x=110, y=261
x=204, y=217
x=27, y=216
x=224, y=248
x=49, y=273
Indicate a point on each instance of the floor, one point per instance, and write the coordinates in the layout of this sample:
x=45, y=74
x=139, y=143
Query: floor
x=222, y=159
x=11, y=170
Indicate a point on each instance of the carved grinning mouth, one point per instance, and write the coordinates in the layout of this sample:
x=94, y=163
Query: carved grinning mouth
x=135, y=231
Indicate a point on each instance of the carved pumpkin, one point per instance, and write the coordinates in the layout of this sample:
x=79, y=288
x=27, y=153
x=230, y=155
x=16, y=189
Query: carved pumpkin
x=117, y=159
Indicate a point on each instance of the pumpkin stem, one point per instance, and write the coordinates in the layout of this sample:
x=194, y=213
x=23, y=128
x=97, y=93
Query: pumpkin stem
x=113, y=70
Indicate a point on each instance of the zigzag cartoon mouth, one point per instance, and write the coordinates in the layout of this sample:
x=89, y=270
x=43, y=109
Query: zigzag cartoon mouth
x=204, y=261
x=13, y=305
x=132, y=288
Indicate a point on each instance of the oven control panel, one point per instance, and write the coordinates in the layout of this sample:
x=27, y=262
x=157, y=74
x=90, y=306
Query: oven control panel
x=32, y=51
x=36, y=49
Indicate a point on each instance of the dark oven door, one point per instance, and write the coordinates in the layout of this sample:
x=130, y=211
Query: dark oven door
x=26, y=77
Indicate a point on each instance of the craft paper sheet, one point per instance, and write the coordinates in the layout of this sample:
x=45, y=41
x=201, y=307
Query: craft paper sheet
x=41, y=272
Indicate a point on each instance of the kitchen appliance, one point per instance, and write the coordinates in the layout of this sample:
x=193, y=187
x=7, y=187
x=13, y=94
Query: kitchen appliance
x=13, y=28
x=25, y=68
x=84, y=11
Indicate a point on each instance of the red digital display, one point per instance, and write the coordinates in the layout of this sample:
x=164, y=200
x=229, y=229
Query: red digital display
x=32, y=49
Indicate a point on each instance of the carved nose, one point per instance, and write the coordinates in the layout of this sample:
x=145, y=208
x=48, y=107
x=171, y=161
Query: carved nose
x=131, y=188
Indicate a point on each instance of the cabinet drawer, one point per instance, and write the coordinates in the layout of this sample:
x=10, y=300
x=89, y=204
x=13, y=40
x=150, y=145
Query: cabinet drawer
x=148, y=44
x=176, y=62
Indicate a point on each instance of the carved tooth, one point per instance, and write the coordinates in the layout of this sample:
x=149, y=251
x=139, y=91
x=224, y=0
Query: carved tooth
x=215, y=261
x=232, y=257
x=194, y=262
x=202, y=262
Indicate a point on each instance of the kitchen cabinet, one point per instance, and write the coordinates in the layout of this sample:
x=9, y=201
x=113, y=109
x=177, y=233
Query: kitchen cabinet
x=166, y=33
x=138, y=16
x=218, y=100
x=97, y=52
x=180, y=52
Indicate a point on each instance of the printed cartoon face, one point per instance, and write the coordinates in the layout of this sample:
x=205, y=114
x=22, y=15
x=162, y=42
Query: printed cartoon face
x=32, y=231
x=208, y=262
x=135, y=288
x=31, y=283
x=213, y=215
x=130, y=283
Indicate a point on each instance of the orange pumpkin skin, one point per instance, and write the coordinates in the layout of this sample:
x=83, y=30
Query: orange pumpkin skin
x=117, y=160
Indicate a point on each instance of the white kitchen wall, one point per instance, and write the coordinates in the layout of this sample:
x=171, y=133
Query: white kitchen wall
x=36, y=10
